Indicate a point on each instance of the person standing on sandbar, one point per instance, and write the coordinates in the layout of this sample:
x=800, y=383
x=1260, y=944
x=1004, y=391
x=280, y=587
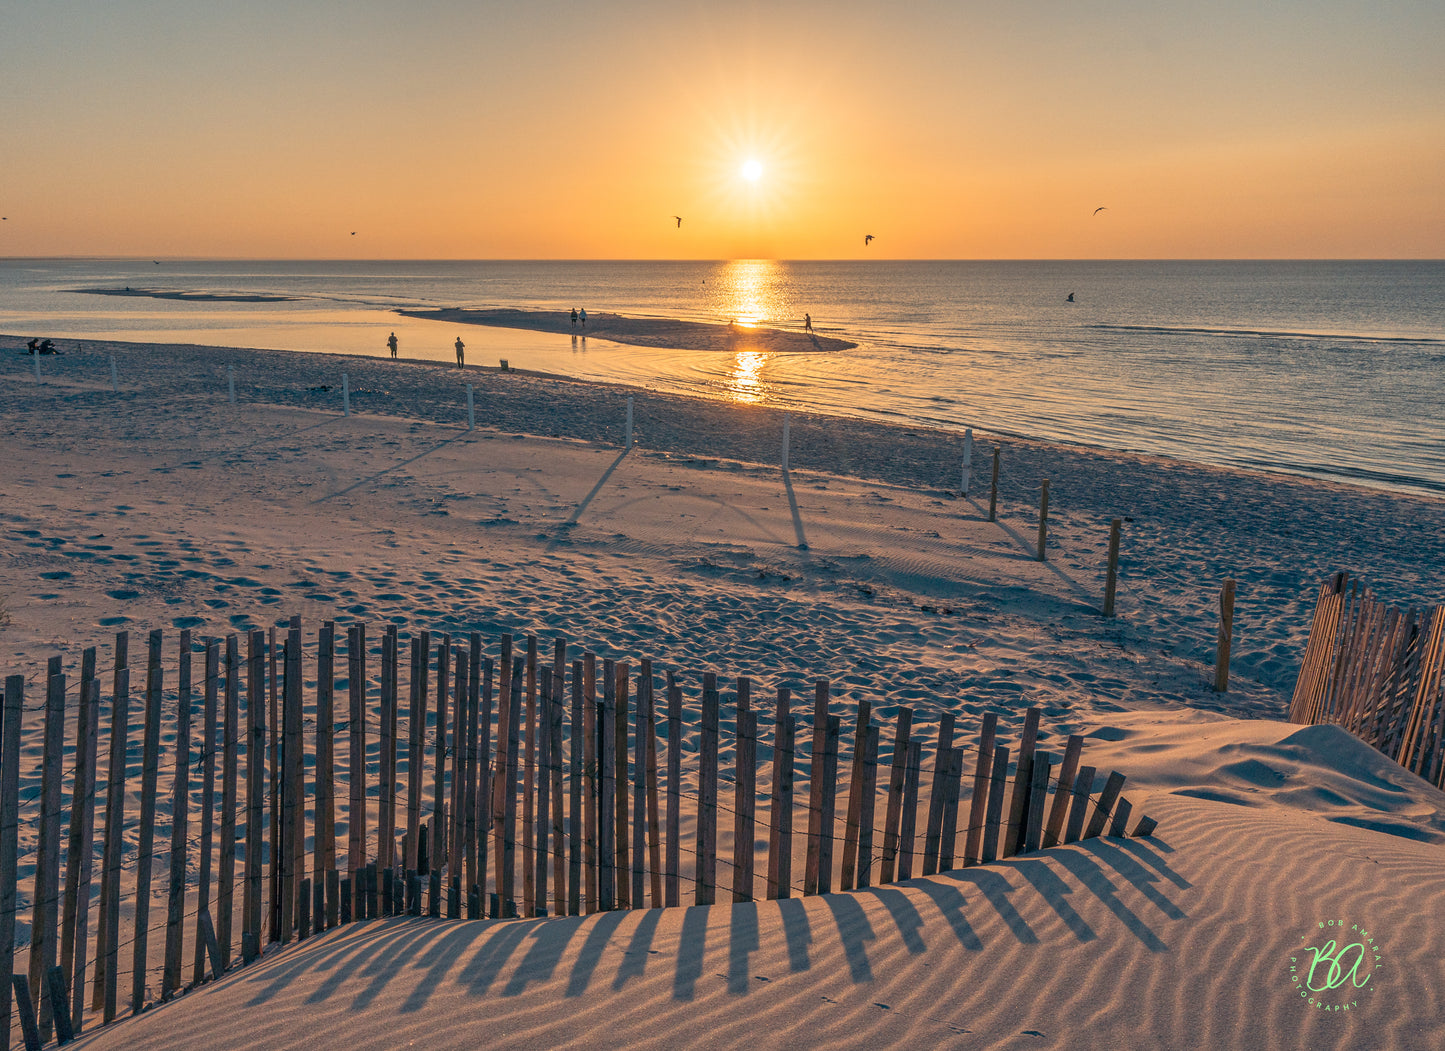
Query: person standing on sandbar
x=807, y=322
x=574, y=317
x=583, y=315
x=460, y=347
x=391, y=342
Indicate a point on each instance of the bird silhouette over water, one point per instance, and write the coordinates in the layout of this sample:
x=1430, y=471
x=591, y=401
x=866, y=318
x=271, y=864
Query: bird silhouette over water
x=1101, y=208
x=679, y=221
x=353, y=233
x=867, y=239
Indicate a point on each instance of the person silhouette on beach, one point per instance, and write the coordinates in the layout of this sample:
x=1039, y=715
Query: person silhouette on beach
x=583, y=315
x=460, y=347
x=391, y=342
x=574, y=317
x=807, y=322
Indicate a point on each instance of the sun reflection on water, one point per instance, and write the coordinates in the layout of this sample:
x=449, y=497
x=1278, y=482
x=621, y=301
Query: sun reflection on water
x=745, y=382
x=748, y=292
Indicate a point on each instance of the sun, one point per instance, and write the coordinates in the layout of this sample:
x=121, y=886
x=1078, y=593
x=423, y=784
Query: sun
x=752, y=170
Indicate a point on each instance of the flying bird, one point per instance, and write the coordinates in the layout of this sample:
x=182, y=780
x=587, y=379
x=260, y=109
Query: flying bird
x=353, y=233
x=1100, y=209
x=679, y=221
x=866, y=239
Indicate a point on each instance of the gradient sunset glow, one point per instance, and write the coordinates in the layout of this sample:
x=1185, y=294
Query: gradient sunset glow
x=578, y=130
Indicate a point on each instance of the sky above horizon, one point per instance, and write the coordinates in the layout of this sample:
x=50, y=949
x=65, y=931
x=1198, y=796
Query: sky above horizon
x=441, y=129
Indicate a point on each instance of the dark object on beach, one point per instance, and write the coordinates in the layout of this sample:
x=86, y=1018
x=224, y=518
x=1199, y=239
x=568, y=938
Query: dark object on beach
x=41, y=346
x=319, y=390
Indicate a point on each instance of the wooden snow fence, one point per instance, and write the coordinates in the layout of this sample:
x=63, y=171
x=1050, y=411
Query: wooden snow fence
x=607, y=793
x=1378, y=672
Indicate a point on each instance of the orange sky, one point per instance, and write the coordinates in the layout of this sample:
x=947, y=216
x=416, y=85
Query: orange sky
x=577, y=130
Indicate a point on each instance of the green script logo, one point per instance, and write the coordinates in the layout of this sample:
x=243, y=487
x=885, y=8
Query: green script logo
x=1334, y=965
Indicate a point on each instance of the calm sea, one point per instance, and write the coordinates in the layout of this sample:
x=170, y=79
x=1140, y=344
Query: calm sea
x=1333, y=369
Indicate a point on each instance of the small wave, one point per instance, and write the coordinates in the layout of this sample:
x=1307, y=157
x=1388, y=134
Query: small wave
x=1249, y=333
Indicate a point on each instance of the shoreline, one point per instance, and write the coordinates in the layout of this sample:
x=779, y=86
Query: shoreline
x=662, y=333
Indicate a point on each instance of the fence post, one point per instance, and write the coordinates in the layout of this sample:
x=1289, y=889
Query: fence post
x=785, y=439
x=993, y=490
x=471, y=409
x=35, y=356
x=231, y=383
x=114, y=377
x=707, y=794
x=180, y=821
x=145, y=848
x=9, y=838
x=1112, y=581
x=1044, y=522
x=1226, y=632
x=978, y=804
x=967, y=461
x=107, y=934
x=82, y=810
x=888, y=863
x=345, y=394
x=629, y=421
x=43, y=928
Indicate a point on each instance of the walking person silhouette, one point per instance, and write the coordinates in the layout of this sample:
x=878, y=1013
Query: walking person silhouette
x=391, y=342
x=460, y=347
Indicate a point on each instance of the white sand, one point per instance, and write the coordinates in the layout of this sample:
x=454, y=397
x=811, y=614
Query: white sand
x=161, y=506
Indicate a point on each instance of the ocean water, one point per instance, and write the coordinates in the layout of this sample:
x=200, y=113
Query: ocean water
x=1332, y=369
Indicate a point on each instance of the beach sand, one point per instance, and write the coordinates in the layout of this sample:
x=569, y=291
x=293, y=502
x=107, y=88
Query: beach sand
x=162, y=505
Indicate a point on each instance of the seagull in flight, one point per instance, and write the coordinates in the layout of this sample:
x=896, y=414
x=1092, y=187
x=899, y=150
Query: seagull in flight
x=1100, y=209
x=866, y=239
x=679, y=221
x=353, y=233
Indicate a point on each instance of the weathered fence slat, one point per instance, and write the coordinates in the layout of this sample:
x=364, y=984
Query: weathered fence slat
x=978, y=805
x=180, y=823
x=889, y=862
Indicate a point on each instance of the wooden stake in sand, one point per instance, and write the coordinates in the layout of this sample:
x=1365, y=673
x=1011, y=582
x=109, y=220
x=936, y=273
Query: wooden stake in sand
x=745, y=795
x=1023, y=775
x=993, y=815
x=902, y=729
x=622, y=697
x=1044, y=522
x=978, y=805
x=908, y=826
x=180, y=803
x=107, y=934
x=543, y=817
x=471, y=410
x=415, y=728
x=46, y=895
x=114, y=376
x=786, y=423
x=671, y=882
x=323, y=848
x=780, y=832
x=438, y=834
x=554, y=743
x=639, y=788
x=934, y=828
x=9, y=840
x=1065, y=789
x=847, y=878
x=654, y=825
x=208, y=798
x=629, y=421
x=345, y=394
x=993, y=489
x=1111, y=583
x=815, y=785
x=1226, y=633
x=575, y=889
x=967, y=461
x=866, y=814
x=255, y=795
x=529, y=783
x=386, y=734
x=79, y=856
x=231, y=383
x=706, y=893
x=145, y=843
x=591, y=779
x=607, y=766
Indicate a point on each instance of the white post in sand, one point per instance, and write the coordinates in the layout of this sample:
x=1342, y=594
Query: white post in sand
x=231, y=382
x=785, y=441
x=36, y=355
x=629, y=421
x=967, y=459
x=471, y=413
x=345, y=394
x=114, y=378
